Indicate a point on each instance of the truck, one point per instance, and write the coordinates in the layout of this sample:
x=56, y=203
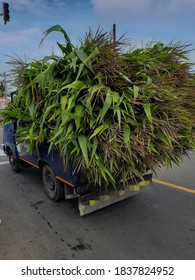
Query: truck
x=61, y=182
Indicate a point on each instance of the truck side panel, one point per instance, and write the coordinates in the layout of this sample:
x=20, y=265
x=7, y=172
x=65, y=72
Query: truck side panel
x=9, y=140
x=54, y=160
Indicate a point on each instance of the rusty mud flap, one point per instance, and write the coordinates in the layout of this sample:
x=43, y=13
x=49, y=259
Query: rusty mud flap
x=100, y=199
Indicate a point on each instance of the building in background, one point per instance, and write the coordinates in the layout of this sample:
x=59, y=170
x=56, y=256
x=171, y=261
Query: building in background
x=3, y=104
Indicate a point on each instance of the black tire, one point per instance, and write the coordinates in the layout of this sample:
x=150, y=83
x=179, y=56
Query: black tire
x=15, y=165
x=53, y=187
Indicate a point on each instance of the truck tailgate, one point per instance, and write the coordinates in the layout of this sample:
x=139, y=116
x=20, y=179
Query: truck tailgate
x=100, y=199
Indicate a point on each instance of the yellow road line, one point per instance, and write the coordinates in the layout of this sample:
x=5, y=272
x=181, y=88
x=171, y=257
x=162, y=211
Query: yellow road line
x=173, y=186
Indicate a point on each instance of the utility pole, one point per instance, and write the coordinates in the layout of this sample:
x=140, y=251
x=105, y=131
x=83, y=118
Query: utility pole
x=114, y=32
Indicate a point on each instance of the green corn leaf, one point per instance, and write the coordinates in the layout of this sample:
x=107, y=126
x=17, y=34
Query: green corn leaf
x=91, y=122
x=73, y=116
x=86, y=59
x=147, y=110
x=73, y=64
x=63, y=101
x=94, y=148
x=118, y=111
x=81, y=55
x=58, y=28
x=57, y=134
x=107, y=104
x=102, y=168
x=94, y=53
x=116, y=97
x=45, y=115
x=136, y=91
x=74, y=86
x=105, y=172
x=83, y=143
x=98, y=130
x=88, y=106
x=56, y=114
x=79, y=111
x=77, y=85
x=75, y=150
x=98, y=88
x=69, y=129
x=125, y=77
x=127, y=133
x=32, y=110
x=71, y=102
x=81, y=67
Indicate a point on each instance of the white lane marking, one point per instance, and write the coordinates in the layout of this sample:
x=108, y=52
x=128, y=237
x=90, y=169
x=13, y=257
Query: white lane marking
x=4, y=162
x=2, y=154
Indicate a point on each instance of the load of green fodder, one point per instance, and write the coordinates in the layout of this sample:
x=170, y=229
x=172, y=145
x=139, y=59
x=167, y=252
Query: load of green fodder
x=114, y=114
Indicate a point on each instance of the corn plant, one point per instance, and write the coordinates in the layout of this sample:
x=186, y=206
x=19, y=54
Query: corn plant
x=113, y=114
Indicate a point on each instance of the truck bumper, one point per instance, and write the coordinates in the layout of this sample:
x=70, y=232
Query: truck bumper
x=100, y=199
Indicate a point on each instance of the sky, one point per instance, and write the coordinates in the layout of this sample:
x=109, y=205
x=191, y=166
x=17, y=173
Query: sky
x=141, y=21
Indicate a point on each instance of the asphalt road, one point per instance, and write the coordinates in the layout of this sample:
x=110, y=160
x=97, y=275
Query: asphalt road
x=157, y=224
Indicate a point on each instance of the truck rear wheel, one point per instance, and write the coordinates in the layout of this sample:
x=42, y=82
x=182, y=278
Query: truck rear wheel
x=53, y=187
x=15, y=165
